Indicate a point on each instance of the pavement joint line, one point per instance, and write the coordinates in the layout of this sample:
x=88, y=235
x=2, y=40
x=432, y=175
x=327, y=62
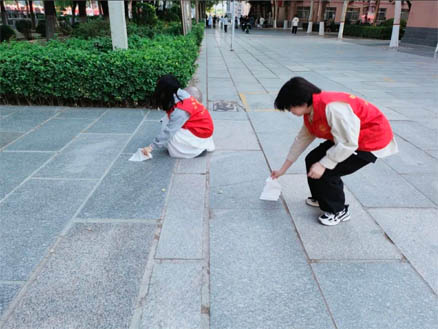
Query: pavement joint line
x=55, y=153
x=164, y=260
x=359, y=261
x=20, y=151
x=150, y=264
x=244, y=102
x=65, y=179
x=115, y=221
x=9, y=282
x=115, y=134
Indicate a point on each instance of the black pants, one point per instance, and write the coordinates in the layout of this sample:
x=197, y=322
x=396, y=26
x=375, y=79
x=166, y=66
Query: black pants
x=225, y=28
x=294, y=29
x=329, y=189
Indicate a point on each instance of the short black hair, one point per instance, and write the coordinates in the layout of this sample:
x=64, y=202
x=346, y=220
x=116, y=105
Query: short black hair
x=297, y=91
x=167, y=86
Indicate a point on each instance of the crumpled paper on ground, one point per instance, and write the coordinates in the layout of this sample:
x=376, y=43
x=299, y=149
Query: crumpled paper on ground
x=272, y=190
x=139, y=156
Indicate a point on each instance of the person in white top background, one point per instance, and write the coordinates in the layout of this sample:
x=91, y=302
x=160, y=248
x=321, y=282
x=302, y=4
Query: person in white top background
x=356, y=134
x=295, y=22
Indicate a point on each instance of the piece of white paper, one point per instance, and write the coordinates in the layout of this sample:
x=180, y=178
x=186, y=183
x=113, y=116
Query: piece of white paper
x=139, y=156
x=272, y=190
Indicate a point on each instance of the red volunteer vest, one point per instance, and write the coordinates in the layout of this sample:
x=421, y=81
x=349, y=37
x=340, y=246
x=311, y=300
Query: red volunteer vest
x=375, y=131
x=199, y=123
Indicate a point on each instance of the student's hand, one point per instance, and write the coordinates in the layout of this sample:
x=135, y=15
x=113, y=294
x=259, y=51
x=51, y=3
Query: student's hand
x=146, y=150
x=276, y=173
x=316, y=171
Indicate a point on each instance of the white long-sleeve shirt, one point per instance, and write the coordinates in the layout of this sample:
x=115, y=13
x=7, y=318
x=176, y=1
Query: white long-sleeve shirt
x=345, y=128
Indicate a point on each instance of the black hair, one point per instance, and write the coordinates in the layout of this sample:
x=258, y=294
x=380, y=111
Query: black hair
x=297, y=91
x=167, y=86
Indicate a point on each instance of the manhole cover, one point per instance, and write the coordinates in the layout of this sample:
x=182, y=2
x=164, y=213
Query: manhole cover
x=223, y=106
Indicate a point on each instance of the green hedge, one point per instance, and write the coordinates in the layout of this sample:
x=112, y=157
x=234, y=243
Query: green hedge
x=372, y=32
x=88, y=72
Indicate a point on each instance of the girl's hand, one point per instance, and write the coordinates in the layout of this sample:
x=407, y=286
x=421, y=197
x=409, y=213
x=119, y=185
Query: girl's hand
x=147, y=150
x=316, y=171
x=276, y=173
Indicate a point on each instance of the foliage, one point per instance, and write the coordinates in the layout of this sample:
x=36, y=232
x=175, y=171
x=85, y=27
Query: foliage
x=6, y=33
x=41, y=28
x=372, y=32
x=390, y=22
x=88, y=72
x=24, y=26
x=146, y=15
x=92, y=29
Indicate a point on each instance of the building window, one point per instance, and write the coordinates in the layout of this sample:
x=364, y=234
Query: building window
x=330, y=13
x=352, y=14
x=381, y=16
x=404, y=14
x=303, y=12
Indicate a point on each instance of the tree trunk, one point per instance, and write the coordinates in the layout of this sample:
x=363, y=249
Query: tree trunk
x=105, y=9
x=50, y=12
x=376, y=12
x=73, y=12
x=127, y=10
x=32, y=14
x=344, y=13
x=82, y=11
x=396, y=25
x=310, y=21
x=4, y=13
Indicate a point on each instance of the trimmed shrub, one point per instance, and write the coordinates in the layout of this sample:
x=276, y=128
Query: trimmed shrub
x=92, y=29
x=372, y=32
x=146, y=15
x=77, y=72
x=24, y=26
x=6, y=32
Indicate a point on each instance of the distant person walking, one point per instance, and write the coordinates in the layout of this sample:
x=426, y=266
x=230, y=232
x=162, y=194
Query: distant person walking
x=295, y=22
x=226, y=22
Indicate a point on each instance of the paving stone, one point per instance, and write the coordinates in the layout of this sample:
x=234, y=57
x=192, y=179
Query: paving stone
x=377, y=296
x=192, y=166
x=7, y=137
x=258, y=270
x=181, y=235
x=415, y=232
x=15, y=167
x=411, y=160
x=52, y=136
x=23, y=120
x=259, y=102
x=426, y=184
x=87, y=113
x=377, y=185
x=144, y=136
x=234, y=135
x=155, y=115
x=83, y=286
x=132, y=190
x=86, y=157
x=275, y=122
x=235, y=116
x=7, y=294
x=417, y=134
x=31, y=219
x=174, y=298
x=237, y=180
x=118, y=121
x=364, y=238
x=4, y=112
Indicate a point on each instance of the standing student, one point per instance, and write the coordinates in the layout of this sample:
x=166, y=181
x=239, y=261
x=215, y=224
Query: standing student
x=188, y=130
x=356, y=134
x=295, y=22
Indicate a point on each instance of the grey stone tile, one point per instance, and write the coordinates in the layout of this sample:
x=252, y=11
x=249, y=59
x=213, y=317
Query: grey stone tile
x=358, y=239
x=377, y=185
x=31, y=219
x=4, y=112
x=426, y=183
x=257, y=267
x=144, y=136
x=235, y=116
x=411, y=160
x=7, y=294
x=415, y=233
x=259, y=102
x=7, y=137
x=181, y=235
x=234, y=135
x=132, y=190
x=155, y=115
x=192, y=166
x=23, y=120
x=174, y=298
x=16, y=167
x=275, y=122
x=377, y=296
x=417, y=134
x=237, y=180
x=86, y=113
x=51, y=136
x=85, y=286
x=118, y=121
x=86, y=157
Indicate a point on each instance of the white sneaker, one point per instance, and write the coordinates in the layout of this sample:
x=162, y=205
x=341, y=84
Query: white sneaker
x=331, y=219
x=312, y=202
